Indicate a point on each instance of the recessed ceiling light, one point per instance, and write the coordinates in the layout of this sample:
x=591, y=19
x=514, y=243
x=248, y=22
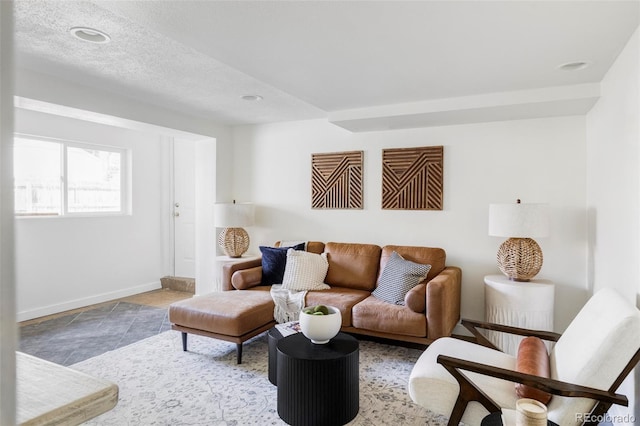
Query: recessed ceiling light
x=90, y=34
x=574, y=66
x=253, y=98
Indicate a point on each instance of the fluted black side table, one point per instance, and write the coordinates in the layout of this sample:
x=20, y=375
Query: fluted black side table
x=495, y=419
x=318, y=384
x=273, y=336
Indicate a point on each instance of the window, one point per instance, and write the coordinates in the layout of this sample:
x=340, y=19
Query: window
x=54, y=178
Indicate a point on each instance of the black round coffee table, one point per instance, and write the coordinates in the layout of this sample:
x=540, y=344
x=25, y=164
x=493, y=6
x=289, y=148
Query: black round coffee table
x=495, y=419
x=318, y=384
x=273, y=336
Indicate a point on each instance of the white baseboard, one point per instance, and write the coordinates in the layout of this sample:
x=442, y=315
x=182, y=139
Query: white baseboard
x=86, y=301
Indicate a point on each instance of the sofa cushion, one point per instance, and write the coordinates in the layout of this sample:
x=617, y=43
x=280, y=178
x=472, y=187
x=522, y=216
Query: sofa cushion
x=310, y=246
x=274, y=260
x=436, y=257
x=377, y=315
x=342, y=298
x=352, y=265
x=305, y=271
x=532, y=358
x=315, y=247
x=398, y=277
x=231, y=313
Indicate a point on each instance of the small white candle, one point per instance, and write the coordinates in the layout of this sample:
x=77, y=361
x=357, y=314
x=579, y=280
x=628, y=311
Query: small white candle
x=530, y=412
x=532, y=408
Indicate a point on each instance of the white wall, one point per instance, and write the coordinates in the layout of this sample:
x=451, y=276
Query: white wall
x=46, y=93
x=63, y=262
x=8, y=329
x=540, y=160
x=613, y=196
x=613, y=160
x=205, y=230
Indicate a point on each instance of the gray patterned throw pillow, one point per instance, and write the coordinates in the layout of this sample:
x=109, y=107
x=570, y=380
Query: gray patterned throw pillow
x=398, y=277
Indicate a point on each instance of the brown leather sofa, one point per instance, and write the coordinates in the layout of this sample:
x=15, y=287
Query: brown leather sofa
x=431, y=310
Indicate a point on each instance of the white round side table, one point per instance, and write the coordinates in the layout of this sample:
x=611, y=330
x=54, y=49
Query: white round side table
x=519, y=304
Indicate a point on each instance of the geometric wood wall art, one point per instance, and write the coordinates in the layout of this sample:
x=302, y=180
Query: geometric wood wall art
x=412, y=178
x=336, y=180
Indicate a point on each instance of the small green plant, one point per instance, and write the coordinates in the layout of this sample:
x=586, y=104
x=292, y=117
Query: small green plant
x=317, y=310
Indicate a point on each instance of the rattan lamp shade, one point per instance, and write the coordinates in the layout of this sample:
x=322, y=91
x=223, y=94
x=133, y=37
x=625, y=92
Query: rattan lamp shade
x=233, y=217
x=519, y=257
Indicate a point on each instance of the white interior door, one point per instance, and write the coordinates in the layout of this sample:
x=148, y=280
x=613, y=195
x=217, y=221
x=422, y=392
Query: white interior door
x=184, y=199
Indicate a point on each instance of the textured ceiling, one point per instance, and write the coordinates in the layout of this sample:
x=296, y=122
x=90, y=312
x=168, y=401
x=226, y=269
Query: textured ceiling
x=311, y=58
x=142, y=63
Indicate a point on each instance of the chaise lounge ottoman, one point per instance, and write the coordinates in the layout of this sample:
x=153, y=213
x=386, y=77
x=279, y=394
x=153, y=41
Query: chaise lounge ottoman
x=234, y=316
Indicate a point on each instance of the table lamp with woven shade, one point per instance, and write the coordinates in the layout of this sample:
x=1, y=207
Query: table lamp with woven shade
x=233, y=217
x=519, y=257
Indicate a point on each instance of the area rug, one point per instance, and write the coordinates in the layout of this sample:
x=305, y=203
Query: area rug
x=162, y=385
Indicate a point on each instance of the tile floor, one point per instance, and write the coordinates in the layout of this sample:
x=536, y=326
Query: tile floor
x=73, y=336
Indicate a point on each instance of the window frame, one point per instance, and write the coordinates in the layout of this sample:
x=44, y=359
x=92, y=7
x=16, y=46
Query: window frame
x=125, y=177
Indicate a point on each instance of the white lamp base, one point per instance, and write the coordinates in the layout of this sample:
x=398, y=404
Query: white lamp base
x=234, y=241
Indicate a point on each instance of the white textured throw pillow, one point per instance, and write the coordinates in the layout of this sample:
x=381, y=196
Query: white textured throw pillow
x=305, y=271
x=398, y=277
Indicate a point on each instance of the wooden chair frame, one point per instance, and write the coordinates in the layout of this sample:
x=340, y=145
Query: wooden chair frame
x=470, y=392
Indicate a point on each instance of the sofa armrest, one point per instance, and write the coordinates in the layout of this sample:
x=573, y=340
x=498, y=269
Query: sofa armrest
x=443, y=302
x=230, y=268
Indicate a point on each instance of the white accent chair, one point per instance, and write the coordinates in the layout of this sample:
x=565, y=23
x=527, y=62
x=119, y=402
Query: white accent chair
x=466, y=381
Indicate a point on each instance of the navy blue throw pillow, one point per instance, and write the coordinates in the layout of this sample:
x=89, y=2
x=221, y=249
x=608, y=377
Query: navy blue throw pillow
x=274, y=260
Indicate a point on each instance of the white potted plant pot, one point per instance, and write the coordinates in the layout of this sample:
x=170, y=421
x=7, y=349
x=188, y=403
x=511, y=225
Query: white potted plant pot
x=320, y=328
